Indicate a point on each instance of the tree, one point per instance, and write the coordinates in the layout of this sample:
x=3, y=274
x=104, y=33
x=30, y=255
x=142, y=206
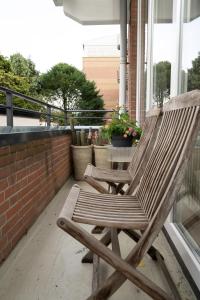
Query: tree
x=91, y=99
x=4, y=64
x=25, y=67
x=162, y=74
x=68, y=86
x=194, y=74
x=22, y=66
x=17, y=82
x=62, y=84
x=10, y=80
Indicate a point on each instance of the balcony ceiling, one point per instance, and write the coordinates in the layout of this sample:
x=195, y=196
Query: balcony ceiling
x=97, y=12
x=91, y=12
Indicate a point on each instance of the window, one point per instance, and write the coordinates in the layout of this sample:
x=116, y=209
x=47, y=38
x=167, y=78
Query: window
x=163, y=50
x=187, y=208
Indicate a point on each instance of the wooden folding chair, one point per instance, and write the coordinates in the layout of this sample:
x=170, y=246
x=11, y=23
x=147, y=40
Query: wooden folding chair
x=118, y=178
x=147, y=209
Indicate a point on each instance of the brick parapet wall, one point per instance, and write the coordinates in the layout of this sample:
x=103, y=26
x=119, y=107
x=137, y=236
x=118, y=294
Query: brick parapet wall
x=30, y=175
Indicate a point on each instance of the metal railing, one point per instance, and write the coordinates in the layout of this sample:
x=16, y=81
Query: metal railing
x=48, y=111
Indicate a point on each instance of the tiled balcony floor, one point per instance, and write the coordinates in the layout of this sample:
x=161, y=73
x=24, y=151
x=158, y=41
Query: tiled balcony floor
x=46, y=264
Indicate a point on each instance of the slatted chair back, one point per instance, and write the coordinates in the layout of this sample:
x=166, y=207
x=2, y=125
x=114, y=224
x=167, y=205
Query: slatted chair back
x=146, y=143
x=174, y=139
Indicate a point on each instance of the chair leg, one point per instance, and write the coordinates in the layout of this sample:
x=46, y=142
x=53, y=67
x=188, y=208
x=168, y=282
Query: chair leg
x=119, y=189
x=152, y=252
x=97, y=229
x=95, y=277
x=113, y=283
x=106, y=240
x=116, y=279
x=123, y=267
x=168, y=277
x=115, y=241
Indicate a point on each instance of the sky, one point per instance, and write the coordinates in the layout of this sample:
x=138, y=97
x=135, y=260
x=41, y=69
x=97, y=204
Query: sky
x=40, y=31
x=165, y=40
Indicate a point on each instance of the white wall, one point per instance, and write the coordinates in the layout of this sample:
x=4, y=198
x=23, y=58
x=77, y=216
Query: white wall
x=20, y=121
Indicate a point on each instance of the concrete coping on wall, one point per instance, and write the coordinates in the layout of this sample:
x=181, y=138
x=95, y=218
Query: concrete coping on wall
x=20, y=129
x=23, y=134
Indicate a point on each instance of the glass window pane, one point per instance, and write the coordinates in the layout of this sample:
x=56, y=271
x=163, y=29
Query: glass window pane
x=163, y=49
x=187, y=208
x=190, y=73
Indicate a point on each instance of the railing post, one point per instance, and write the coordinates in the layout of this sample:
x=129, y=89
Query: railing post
x=9, y=109
x=65, y=118
x=48, y=116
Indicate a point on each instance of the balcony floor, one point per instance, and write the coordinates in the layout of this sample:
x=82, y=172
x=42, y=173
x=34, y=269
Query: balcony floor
x=46, y=264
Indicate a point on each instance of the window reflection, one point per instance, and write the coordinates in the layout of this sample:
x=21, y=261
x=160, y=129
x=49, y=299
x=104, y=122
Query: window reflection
x=163, y=50
x=187, y=210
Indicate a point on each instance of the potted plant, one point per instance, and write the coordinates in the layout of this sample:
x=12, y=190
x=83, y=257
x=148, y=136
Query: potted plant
x=121, y=130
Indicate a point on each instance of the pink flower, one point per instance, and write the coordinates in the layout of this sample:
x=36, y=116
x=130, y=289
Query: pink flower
x=134, y=133
x=130, y=129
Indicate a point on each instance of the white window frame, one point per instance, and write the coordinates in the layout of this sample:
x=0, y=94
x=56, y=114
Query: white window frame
x=182, y=247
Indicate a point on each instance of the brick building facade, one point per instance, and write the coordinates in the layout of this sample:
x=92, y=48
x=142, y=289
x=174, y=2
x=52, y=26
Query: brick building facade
x=104, y=71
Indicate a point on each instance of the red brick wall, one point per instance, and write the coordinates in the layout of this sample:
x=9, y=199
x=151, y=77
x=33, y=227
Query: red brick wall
x=30, y=175
x=132, y=59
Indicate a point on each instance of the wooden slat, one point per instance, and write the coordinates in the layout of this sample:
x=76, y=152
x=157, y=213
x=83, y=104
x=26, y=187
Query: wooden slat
x=138, y=225
x=104, y=206
x=112, y=217
x=127, y=211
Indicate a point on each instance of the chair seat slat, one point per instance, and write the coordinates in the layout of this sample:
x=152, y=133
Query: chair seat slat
x=138, y=225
